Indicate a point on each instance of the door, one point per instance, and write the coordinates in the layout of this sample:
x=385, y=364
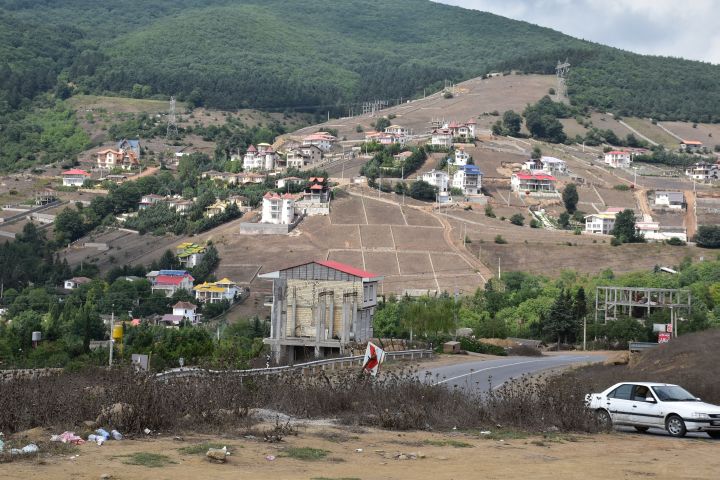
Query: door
x=643, y=411
x=619, y=403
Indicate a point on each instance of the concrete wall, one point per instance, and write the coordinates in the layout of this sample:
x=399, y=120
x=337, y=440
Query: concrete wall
x=250, y=228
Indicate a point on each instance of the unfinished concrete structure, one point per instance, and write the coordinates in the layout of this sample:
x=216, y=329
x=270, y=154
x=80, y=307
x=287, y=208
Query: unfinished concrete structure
x=319, y=308
x=613, y=302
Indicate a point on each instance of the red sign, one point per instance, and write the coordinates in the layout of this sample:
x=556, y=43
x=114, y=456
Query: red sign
x=668, y=327
x=663, y=337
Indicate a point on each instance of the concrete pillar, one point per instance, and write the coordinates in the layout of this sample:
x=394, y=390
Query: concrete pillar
x=331, y=321
x=293, y=313
x=355, y=320
x=316, y=316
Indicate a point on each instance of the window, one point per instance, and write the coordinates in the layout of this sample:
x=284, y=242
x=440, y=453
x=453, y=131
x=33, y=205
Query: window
x=623, y=392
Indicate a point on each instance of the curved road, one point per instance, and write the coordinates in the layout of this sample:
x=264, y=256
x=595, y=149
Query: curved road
x=481, y=375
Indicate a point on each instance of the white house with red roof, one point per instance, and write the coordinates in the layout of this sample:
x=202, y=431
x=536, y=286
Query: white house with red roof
x=323, y=140
x=278, y=209
x=319, y=308
x=533, y=184
x=464, y=131
x=170, y=281
x=74, y=177
x=618, y=158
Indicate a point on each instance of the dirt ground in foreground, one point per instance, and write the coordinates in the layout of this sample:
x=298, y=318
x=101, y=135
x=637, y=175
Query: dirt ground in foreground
x=439, y=456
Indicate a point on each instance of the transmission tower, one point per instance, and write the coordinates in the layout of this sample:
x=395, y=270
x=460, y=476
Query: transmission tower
x=172, y=129
x=561, y=70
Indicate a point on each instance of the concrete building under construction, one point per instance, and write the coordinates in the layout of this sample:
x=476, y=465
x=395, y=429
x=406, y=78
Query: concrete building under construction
x=318, y=308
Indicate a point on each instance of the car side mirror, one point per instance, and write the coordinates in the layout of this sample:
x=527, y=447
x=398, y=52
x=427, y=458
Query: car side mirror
x=649, y=399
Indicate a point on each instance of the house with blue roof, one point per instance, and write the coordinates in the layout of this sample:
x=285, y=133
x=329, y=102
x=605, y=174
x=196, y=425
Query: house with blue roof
x=468, y=178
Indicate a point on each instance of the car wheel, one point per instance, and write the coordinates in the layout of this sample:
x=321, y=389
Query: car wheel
x=675, y=426
x=604, y=420
x=641, y=429
x=715, y=435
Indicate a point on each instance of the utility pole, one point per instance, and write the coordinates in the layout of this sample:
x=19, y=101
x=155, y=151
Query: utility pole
x=499, y=271
x=584, y=333
x=112, y=327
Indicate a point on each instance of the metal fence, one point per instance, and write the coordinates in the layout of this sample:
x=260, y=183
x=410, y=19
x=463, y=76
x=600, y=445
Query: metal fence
x=640, y=346
x=303, y=368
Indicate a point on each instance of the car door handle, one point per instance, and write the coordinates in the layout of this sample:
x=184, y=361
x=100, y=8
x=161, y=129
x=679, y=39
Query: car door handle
x=634, y=406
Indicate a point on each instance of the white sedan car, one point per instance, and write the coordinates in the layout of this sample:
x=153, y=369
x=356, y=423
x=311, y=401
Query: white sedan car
x=646, y=405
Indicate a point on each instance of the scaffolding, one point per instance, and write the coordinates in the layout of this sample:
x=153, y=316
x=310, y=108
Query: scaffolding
x=629, y=300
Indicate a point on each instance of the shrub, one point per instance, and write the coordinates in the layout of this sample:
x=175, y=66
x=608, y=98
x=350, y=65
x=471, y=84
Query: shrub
x=675, y=241
x=447, y=95
x=615, y=242
x=535, y=224
x=500, y=240
x=470, y=345
x=622, y=187
x=517, y=219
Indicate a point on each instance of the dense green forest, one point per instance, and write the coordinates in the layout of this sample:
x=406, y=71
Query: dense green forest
x=323, y=55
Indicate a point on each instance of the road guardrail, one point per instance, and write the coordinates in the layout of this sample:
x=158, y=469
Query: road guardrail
x=303, y=368
x=640, y=346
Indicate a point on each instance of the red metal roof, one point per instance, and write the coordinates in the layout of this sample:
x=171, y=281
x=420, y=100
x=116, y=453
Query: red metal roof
x=540, y=176
x=76, y=171
x=171, y=279
x=691, y=142
x=618, y=152
x=350, y=270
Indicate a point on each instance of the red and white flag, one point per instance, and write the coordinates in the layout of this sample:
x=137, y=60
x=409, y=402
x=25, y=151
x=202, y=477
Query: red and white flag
x=374, y=356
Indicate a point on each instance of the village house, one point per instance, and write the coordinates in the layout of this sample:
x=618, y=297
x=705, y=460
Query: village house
x=672, y=200
x=468, y=178
x=149, y=200
x=401, y=158
x=690, y=146
x=75, y=282
x=315, y=199
x=651, y=231
x=301, y=156
x=186, y=310
x=460, y=158
x=618, y=159
x=397, y=130
x=554, y=166
x=74, y=177
x=533, y=183
x=170, y=281
x=319, y=308
x=182, y=311
x=323, y=140
x=125, y=155
x=437, y=178
x=225, y=177
x=600, y=223
x=464, y=131
x=288, y=181
x=190, y=254
x=441, y=137
x=249, y=177
x=703, y=172
x=180, y=205
x=262, y=157
x=215, y=292
x=117, y=179
x=278, y=209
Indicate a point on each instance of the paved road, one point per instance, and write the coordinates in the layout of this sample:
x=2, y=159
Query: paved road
x=481, y=375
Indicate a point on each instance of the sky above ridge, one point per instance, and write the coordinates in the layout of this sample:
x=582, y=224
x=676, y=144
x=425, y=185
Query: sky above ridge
x=686, y=29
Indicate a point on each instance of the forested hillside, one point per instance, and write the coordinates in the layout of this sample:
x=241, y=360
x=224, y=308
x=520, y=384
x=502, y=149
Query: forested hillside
x=314, y=54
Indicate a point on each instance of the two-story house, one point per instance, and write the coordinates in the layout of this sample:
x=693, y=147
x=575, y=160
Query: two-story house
x=319, y=308
x=170, y=281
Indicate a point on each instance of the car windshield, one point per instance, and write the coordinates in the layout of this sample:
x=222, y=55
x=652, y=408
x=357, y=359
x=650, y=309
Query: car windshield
x=673, y=394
